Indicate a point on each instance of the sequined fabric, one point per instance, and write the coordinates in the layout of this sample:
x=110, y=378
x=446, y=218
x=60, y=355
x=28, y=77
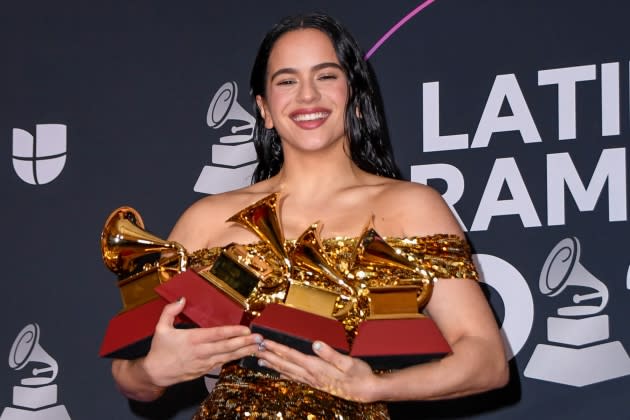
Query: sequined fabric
x=245, y=394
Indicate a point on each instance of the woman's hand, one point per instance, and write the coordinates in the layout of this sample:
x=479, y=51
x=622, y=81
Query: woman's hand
x=178, y=355
x=329, y=371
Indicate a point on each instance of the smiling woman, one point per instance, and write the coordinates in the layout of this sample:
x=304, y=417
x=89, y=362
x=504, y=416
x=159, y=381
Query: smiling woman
x=323, y=149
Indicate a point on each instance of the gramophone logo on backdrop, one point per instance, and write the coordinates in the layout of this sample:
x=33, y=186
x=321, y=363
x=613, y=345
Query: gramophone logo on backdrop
x=233, y=158
x=39, y=160
x=579, y=352
x=36, y=396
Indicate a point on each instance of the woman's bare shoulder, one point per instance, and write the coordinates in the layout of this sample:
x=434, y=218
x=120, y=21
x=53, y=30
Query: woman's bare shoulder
x=415, y=193
x=221, y=205
x=420, y=209
x=205, y=221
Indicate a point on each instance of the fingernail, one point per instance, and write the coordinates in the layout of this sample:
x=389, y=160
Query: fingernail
x=258, y=340
x=317, y=346
x=261, y=363
x=180, y=300
x=261, y=346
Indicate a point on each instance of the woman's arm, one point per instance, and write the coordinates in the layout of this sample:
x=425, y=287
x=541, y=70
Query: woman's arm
x=460, y=310
x=477, y=362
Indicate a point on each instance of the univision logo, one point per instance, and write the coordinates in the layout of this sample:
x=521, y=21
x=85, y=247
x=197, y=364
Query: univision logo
x=39, y=160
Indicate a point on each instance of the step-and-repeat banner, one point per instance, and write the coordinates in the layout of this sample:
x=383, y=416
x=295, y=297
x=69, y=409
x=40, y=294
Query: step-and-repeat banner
x=517, y=112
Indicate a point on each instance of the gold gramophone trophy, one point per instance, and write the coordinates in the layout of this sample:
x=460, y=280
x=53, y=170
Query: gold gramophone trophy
x=309, y=312
x=395, y=311
x=141, y=261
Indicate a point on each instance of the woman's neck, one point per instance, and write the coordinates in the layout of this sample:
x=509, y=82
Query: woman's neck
x=310, y=177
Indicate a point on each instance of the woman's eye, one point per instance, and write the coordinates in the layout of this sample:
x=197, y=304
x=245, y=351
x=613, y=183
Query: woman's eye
x=328, y=77
x=286, y=82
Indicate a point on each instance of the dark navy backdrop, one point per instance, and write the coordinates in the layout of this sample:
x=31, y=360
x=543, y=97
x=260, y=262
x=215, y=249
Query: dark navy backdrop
x=132, y=82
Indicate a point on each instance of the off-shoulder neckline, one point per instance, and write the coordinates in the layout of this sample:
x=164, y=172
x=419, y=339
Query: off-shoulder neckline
x=398, y=239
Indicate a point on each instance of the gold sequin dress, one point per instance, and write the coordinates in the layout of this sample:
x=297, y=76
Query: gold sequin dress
x=242, y=393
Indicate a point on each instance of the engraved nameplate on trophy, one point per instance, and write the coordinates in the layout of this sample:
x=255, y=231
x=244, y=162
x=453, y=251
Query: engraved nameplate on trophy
x=311, y=299
x=391, y=302
x=236, y=273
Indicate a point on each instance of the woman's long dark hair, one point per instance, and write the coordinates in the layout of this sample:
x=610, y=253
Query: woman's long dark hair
x=370, y=148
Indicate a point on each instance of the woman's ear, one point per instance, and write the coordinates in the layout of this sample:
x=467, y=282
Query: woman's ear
x=262, y=108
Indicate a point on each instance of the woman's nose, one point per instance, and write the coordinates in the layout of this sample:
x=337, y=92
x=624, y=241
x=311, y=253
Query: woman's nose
x=308, y=91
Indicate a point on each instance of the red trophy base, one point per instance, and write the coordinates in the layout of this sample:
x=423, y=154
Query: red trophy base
x=129, y=334
x=297, y=329
x=205, y=305
x=384, y=344
x=396, y=343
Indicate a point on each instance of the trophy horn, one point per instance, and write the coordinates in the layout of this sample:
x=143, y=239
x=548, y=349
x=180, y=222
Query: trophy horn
x=372, y=250
x=263, y=219
x=124, y=243
x=309, y=255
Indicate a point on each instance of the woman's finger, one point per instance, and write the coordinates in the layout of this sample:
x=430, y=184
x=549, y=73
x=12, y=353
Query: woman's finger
x=330, y=355
x=170, y=311
x=234, y=348
x=283, y=360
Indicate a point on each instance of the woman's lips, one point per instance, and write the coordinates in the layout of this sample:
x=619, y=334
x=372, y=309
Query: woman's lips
x=309, y=119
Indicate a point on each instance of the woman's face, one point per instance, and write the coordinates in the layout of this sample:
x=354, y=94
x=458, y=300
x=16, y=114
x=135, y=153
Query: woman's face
x=306, y=92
